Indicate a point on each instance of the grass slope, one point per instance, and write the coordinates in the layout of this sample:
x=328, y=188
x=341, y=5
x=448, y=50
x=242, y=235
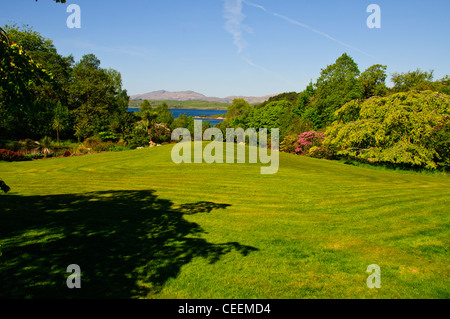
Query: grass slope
x=140, y=226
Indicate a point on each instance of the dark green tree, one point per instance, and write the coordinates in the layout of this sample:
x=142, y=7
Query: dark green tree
x=373, y=81
x=145, y=106
x=413, y=80
x=337, y=85
x=164, y=115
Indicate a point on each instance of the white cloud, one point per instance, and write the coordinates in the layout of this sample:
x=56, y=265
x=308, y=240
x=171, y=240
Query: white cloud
x=233, y=25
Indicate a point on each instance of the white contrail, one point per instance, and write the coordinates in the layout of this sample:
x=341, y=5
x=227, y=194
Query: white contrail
x=295, y=22
x=233, y=14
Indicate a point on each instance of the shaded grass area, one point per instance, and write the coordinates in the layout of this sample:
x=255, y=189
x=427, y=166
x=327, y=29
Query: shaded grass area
x=127, y=243
x=221, y=230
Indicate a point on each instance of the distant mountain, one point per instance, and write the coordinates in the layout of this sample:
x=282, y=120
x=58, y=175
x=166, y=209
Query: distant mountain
x=191, y=95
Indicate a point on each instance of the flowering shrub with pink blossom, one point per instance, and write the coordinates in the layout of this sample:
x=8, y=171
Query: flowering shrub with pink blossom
x=307, y=140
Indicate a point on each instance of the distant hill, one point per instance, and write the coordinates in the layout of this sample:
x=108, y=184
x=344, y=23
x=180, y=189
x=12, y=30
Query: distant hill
x=191, y=95
x=191, y=104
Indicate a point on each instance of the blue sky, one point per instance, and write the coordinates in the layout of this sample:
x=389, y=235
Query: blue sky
x=235, y=47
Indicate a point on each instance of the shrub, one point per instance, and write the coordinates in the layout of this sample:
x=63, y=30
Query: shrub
x=67, y=153
x=405, y=129
x=307, y=140
x=81, y=150
x=320, y=152
x=92, y=142
x=11, y=156
x=289, y=144
x=30, y=145
x=30, y=157
x=46, y=145
x=104, y=147
x=107, y=136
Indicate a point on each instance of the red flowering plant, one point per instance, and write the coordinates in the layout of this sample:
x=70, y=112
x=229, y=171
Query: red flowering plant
x=307, y=140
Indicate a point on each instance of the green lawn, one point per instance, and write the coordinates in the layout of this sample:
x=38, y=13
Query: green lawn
x=140, y=226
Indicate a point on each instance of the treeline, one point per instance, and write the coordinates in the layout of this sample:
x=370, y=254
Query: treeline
x=363, y=119
x=43, y=93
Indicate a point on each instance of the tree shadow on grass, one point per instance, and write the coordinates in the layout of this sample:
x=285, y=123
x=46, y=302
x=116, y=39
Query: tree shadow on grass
x=127, y=243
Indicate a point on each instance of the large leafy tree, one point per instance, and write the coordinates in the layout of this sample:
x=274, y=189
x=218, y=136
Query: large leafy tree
x=413, y=80
x=25, y=107
x=373, y=81
x=410, y=129
x=236, y=109
x=337, y=85
x=95, y=94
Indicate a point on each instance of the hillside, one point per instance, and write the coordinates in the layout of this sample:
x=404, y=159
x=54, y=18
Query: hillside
x=191, y=104
x=191, y=95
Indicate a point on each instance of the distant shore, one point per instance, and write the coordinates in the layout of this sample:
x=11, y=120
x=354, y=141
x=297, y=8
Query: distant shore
x=210, y=117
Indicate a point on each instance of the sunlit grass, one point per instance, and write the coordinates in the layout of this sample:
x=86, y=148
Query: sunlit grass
x=315, y=226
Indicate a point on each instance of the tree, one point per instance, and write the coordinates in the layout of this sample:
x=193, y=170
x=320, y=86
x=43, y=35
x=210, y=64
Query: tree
x=60, y=119
x=304, y=99
x=24, y=105
x=373, y=81
x=410, y=129
x=337, y=85
x=413, y=80
x=145, y=106
x=96, y=94
x=164, y=115
x=236, y=109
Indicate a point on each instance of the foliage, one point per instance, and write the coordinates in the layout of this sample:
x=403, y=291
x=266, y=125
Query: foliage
x=164, y=116
x=373, y=81
x=307, y=140
x=289, y=144
x=409, y=129
x=412, y=80
x=107, y=136
x=159, y=133
x=60, y=119
x=145, y=106
x=337, y=85
x=98, y=94
x=92, y=142
x=104, y=146
x=288, y=96
x=22, y=106
x=46, y=144
x=11, y=156
x=236, y=109
x=320, y=152
x=184, y=121
x=304, y=99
